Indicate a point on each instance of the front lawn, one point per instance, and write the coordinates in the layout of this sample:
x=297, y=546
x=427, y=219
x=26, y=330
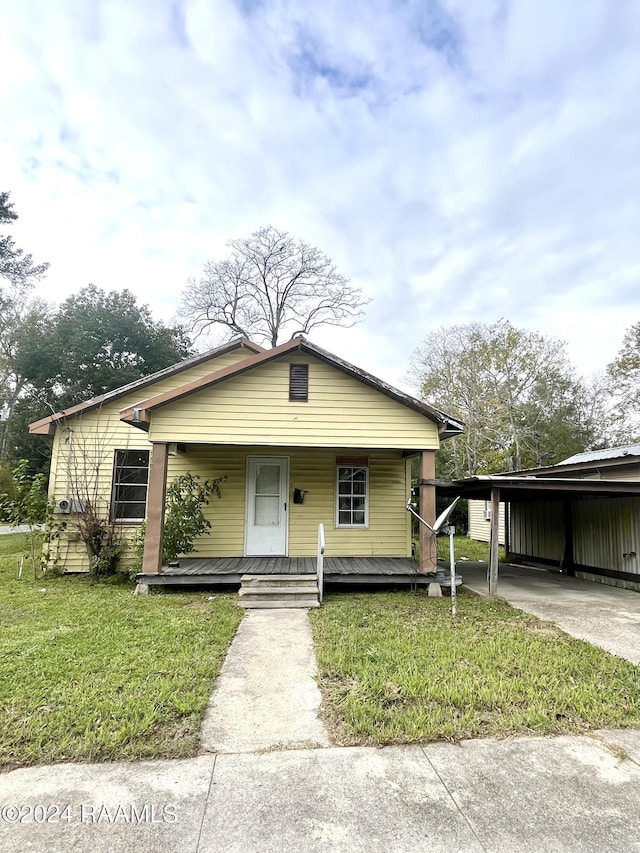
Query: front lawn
x=90, y=673
x=396, y=668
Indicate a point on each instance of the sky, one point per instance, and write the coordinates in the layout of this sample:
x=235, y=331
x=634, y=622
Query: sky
x=459, y=161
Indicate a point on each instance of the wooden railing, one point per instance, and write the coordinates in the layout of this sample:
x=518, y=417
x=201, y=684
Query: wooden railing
x=320, y=563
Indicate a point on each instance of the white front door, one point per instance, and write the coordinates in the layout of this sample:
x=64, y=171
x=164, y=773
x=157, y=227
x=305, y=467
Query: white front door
x=267, y=506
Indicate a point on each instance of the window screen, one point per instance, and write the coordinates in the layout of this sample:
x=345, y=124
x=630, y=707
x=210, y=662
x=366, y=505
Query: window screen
x=130, y=480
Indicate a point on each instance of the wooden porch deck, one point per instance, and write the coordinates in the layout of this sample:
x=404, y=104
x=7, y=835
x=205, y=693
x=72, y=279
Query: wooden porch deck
x=199, y=571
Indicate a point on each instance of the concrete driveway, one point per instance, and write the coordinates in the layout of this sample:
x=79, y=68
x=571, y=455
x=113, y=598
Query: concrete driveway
x=603, y=615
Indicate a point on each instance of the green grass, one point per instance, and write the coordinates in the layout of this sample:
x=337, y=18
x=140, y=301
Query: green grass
x=464, y=548
x=91, y=673
x=396, y=668
x=468, y=548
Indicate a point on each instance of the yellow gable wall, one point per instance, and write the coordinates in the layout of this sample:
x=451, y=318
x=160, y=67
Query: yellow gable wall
x=83, y=452
x=254, y=408
x=388, y=533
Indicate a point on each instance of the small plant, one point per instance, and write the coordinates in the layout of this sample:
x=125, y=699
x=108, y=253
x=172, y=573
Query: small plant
x=104, y=539
x=184, y=519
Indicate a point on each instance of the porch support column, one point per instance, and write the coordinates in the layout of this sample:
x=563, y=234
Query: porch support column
x=152, y=556
x=494, y=541
x=428, y=550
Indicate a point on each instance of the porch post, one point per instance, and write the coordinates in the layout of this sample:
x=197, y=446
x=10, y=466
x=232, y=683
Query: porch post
x=428, y=550
x=494, y=541
x=152, y=556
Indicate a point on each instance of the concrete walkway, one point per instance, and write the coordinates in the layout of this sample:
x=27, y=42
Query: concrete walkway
x=266, y=696
x=604, y=615
x=538, y=794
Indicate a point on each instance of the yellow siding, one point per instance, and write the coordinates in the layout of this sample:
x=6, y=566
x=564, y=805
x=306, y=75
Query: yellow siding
x=83, y=454
x=254, y=408
x=479, y=526
x=388, y=533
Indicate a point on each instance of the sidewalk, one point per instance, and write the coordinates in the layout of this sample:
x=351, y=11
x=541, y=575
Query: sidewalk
x=534, y=794
x=6, y=529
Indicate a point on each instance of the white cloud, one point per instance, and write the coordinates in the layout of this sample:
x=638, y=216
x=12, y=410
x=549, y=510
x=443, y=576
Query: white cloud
x=459, y=161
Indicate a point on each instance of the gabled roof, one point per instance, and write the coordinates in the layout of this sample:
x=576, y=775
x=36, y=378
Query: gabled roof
x=46, y=426
x=140, y=414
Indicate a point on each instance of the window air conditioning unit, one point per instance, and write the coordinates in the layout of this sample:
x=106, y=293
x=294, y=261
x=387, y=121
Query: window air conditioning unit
x=69, y=505
x=487, y=511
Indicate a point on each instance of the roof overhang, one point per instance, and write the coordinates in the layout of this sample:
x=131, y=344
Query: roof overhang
x=47, y=426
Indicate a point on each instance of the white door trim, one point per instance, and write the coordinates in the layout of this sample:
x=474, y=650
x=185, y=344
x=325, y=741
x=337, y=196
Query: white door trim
x=278, y=547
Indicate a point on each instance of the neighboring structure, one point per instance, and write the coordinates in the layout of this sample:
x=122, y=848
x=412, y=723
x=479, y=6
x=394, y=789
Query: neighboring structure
x=301, y=436
x=479, y=514
x=581, y=515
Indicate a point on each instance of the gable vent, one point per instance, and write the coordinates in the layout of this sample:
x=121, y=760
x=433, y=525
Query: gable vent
x=299, y=382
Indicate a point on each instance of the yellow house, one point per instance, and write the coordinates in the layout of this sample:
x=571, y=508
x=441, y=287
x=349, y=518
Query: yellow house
x=301, y=437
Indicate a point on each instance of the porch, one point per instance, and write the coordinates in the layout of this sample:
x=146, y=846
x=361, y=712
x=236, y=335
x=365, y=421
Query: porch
x=228, y=571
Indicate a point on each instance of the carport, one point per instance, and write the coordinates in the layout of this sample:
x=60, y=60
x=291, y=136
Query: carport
x=604, y=531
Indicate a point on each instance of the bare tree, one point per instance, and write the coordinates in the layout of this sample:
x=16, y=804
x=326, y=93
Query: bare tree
x=271, y=286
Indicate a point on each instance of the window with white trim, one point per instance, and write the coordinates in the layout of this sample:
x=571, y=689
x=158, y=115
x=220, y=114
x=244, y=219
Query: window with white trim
x=130, y=481
x=352, y=496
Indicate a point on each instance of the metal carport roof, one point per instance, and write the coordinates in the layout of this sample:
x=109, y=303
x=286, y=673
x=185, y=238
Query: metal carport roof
x=532, y=488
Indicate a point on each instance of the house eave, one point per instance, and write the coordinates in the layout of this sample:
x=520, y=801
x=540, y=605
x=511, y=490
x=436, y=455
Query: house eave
x=47, y=426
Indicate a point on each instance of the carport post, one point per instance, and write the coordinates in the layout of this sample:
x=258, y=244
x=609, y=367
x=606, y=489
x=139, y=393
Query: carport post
x=494, y=540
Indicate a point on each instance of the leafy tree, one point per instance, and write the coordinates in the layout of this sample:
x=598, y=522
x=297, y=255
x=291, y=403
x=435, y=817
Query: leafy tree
x=271, y=286
x=18, y=442
x=96, y=342
x=17, y=314
x=22, y=327
x=624, y=383
x=16, y=267
x=516, y=391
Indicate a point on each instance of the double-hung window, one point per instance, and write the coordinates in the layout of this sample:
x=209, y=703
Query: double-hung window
x=130, y=481
x=352, y=496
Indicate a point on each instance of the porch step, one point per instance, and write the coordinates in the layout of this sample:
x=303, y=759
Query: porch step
x=278, y=605
x=262, y=591
x=278, y=580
